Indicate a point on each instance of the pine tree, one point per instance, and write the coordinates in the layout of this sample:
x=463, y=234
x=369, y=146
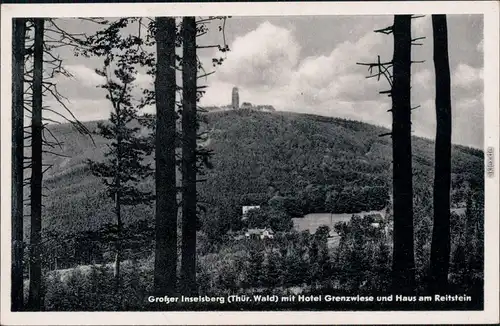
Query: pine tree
x=474, y=237
x=165, y=271
x=123, y=170
x=273, y=273
x=34, y=298
x=440, y=248
x=18, y=50
x=324, y=262
x=403, y=257
x=255, y=268
x=116, y=42
x=397, y=72
x=41, y=66
x=314, y=270
x=189, y=159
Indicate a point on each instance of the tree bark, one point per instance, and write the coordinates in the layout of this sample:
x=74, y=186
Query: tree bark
x=403, y=255
x=34, y=298
x=18, y=50
x=165, y=271
x=440, y=248
x=118, y=208
x=189, y=127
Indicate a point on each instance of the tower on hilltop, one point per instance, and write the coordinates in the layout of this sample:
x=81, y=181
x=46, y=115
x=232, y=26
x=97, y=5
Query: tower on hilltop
x=235, y=99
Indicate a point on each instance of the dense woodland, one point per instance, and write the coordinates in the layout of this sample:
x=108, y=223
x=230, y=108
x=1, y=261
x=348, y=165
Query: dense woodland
x=149, y=204
x=302, y=178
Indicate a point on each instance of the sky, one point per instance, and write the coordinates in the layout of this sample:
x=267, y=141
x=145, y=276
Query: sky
x=308, y=64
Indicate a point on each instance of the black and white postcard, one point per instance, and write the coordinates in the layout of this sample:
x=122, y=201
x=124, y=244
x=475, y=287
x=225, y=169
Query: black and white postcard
x=249, y=163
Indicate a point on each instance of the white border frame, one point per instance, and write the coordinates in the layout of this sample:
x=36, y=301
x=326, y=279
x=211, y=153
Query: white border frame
x=490, y=10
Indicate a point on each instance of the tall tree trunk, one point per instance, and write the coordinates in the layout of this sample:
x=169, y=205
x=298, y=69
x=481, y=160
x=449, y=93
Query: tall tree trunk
x=165, y=271
x=440, y=248
x=34, y=298
x=18, y=44
x=118, y=209
x=189, y=127
x=403, y=256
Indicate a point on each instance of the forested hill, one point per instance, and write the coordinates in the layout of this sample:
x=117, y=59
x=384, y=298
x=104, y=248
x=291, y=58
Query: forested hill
x=318, y=163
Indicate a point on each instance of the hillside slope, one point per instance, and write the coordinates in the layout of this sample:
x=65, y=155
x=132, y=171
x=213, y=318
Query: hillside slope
x=257, y=156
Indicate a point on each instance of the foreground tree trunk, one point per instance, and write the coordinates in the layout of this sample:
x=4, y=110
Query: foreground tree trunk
x=165, y=271
x=34, y=299
x=189, y=126
x=118, y=200
x=18, y=44
x=403, y=255
x=440, y=248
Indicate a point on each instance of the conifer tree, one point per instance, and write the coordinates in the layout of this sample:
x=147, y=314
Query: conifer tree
x=124, y=169
x=403, y=257
x=314, y=270
x=18, y=50
x=189, y=159
x=273, y=270
x=403, y=262
x=255, y=267
x=40, y=67
x=112, y=39
x=34, y=298
x=165, y=271
x=440, y=247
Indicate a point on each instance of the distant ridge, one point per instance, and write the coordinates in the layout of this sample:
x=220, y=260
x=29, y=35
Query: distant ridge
x=256, y=155
x=244, y=106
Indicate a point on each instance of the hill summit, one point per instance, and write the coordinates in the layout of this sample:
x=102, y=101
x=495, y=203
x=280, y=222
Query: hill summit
x=314, y=163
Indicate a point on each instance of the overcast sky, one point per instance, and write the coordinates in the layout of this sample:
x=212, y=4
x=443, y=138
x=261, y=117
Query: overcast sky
x=308, y=64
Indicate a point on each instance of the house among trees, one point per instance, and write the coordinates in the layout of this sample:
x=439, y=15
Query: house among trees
x=333, y=239
x=250, y=106
x=246, y=209
x=262, y=234
x=265, y=107
x=311, y=222
x=460, y=211
x=378, y=219
x=246, y=106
